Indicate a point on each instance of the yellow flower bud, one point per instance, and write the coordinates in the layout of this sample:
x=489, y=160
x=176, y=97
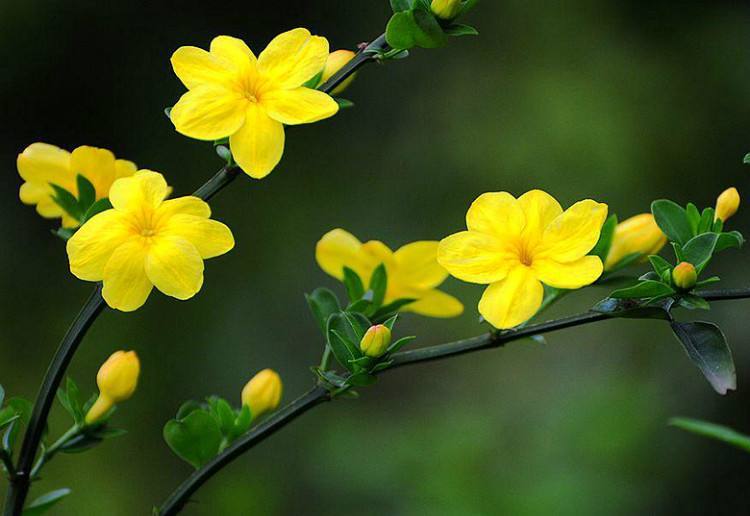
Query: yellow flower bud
x=638, y=234
x=117, y=379
x=376, y=341
x=336, y=61
x=684, y=276
x=263, y=392
x=727, y=204
x=446, y=9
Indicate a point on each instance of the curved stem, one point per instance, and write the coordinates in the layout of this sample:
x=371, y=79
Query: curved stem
x=276, y=422
x=180, y=496
x=367, y=54
x=19, y=486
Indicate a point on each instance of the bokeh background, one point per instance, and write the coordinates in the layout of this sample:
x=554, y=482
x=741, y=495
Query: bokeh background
x=621, y=101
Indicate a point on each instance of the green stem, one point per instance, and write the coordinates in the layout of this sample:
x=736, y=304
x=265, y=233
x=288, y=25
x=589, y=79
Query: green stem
x=53, y=449
x=317, y=395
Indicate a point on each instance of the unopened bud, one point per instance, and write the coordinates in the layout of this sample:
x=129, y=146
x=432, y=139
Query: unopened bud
x=446, y=9
x=336, y=61
x=376, y=341
x=684, y=276
x=727, y=204
x=638, y=234
x=117, y=380
x=263, y=392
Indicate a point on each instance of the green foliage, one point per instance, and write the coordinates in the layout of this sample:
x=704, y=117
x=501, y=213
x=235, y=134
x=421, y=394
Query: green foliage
x=85, y=205
x=414, y=25
x=45, y=502
x=713, y=431
x=707, y=347
x=202, y=430
x=602, y=247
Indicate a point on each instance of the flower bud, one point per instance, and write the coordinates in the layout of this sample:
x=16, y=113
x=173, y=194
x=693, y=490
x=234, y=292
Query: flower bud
x=336, y=61
x=376, y=341
x=727, y=204
x=638, y=234
x=446, y=9
x=263, y=392
x=684, y=276
x=117, y=379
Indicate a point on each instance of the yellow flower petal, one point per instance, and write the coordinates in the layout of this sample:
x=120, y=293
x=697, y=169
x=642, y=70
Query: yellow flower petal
x=258, y=145
x=210, y=237
x=124, y=168
x=175, y=267
x=570, y=275
x=91, y=247
x=573, y=233
x=477, y=257
x=126, y=286
x=236, y=52
x=293, y=58
x=96, y=165
x=145, y=190
x=33, y=193
x=196, y=67
x=495, y=213
x=339, y=248
x=42, y=164
x=299, y=106
x=514, y=300
x=188, y=205
x=209, y=112
x=376, y=253
x=435, y=303
x=417, y=265
x=539, y=209
x=49, y=209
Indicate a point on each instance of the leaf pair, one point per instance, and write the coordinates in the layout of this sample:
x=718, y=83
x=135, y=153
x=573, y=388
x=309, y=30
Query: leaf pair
x=414, y=25
x=83, y=207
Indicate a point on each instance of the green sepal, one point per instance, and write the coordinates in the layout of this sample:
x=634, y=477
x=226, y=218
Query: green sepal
x=45, y=502
x=195, y=439
x=707, y=347
x=602, y=247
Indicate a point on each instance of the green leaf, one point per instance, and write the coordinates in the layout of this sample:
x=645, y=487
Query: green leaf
x=708, y=281
x=634, y=309
x=96, y=208
x=468, y=6
x=67, y=201
x=707, y=221
x=713, y=431
x=694, y=217
x=459, y=29
x=355, y=289
x=362, y=306
x=322, y=303
x=707, y=347
x=378, y=286
x=399, y=33
x=195, y=439
x=359, y=325
x=7, y=416
x=699, y=250
x=415, y=27
x=390, y=322
x=85, y=440
x=86, y=193
x=746, y=160
x=400, y=343
x=168, y=111
x=693, y=302
x=602, y=247
x=315, y=81
x=241, y=423
x=9, y=437
x=340, y=335
x=672, y=220
x=430, y=33
x=733, y=239
x=2, y=395
x=661, y=266
x=45, y=502
x=224, y=414
x=388, y=310
x=361, y=380
x=400, y=5
x=644, y=289
x=188, y=407
x=70, y=400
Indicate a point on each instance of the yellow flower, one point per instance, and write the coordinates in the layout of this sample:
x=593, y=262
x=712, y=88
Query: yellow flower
x=684, y=276
x=638, y=234
x=727, y=204
x=146, y=241
x=376, y=341
x=233, y=94
x=515, y=245
x=41, y=164
x=413, y=270
x=117, y=379
x=446, y=9
x=335, y=62
x=263, y=392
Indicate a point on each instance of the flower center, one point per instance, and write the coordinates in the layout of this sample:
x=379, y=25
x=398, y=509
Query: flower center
x=525, y=256
x=148, y=232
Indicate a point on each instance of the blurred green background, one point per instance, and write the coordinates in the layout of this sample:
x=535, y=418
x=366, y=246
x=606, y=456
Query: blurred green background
x=621, y=101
